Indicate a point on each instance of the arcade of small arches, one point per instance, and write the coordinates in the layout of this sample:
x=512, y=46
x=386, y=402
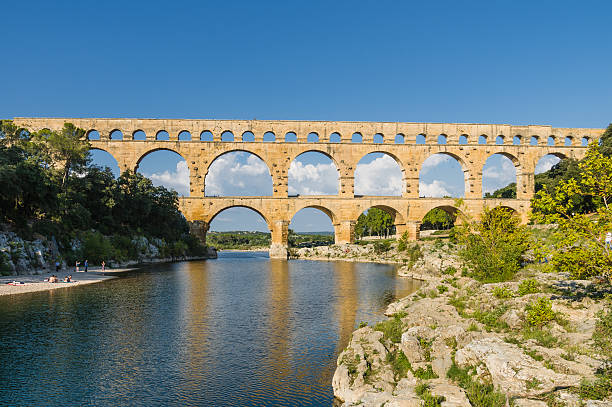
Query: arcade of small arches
x=345, y=143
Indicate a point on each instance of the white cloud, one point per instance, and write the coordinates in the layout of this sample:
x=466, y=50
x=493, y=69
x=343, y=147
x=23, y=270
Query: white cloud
x=381, y=176
x=434, y=161
x=436, y=189
x=313, y=179
x=237, y=174
x=177, y=180
x=498, y=175
x=546, y=163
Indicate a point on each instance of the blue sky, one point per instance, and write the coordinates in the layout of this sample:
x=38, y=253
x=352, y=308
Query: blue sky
x=545, y=62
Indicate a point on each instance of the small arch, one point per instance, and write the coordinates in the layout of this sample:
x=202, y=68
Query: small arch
x=378, y=138
x=442, y=138
x=291, y=137
x=499, y=140
x=139, y=135
x=584, y=142
x=356, y=138
x=227, y=136
x=399, y=138
x=206, y=135
x=551, y=140
x=516, y=140
x=269, y=137
x=238, y=172
x=380, y=174
x=116, y=135
x=335, y=137
x=162, y=135
x=309, y=222
x=184, y=136
x=93, y=135
x=421, y=139
x=238, y=217
x=463, y=139
x=568, y=141
x=248, y=137
x=482, y=139
x=378, y=220
x=534, y=141
x=313, y=172
x=312, y=137
x=440, y=218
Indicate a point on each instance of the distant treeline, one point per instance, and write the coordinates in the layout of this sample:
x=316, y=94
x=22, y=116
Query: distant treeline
x=242, y=240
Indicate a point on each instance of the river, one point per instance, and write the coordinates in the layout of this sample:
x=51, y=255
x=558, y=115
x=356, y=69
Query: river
x=241, y=330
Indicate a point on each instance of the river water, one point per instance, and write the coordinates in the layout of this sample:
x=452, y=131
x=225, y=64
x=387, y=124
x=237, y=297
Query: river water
x=242, y=330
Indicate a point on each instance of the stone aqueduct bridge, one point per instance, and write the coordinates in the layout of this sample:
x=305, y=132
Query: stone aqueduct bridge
x=462, y=141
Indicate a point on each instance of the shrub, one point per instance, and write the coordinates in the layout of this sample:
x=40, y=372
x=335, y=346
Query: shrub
x=382, y=247
x=422, y=390
x=96, y=248
x=602, y=336
x=492, y=318
x=449, y=270
x=391, y=328
x=399, y=363
x=539, y=312
x=442, y=288
x=425, y=374
x=503, y=292
x=493, y=247
x=595, y=390
x=542, y=337
x=528, y=286
x=479, y=395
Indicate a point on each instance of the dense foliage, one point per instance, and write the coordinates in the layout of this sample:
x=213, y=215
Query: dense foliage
x=374, y=222
x=494, y=246
x=48, y=187
x=580, y=247
x=438, y=219
x=254, y=240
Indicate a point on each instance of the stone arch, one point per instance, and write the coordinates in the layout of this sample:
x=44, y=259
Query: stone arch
x=452, y=211
x=568, y=141
x=378, y=138
x=399, y=138
x=206, y=171
x=357, y=137
x=184, y=135
x=335, y=137
x=463, y=139
x=400, y=167
x=298, y=171
x=546, y=161
x=248, y=137
x=442, y=139
x=116, y=134
x=329, y=212
x=421, y=139
x=464, y=168
x=93, y=134
x=139, y=135
x=207, y=135
x=228, y=136
x=171, y=171
x=291, y=137
x=551, y=141
x=162, y=135
x=483, y=139
x=500, y=140
x=517, y=172
x=396, y=216
x=584, y=141
x=96, y=158
x=217, y=211
x=269, y=137
x=395, y=213
x=534, y=140
x=517, y=140
x=313, y=137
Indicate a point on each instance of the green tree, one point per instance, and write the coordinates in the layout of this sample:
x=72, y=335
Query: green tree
x=493, y=247
x=580, y=247
x=374, y=222
x=438, y=219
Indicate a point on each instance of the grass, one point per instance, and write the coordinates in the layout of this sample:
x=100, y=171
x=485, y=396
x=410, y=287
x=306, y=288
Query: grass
x=597, y=389
x=492, y=318
x=528, y=286
x=392, y=328
x=399, y=363
x=542, y=337
x=479, y=395
x=539, y=312
x=422, y=390
x=442, y=288
x=533, y=383
x=503, y=292
x=535, y=355
x=425, y=373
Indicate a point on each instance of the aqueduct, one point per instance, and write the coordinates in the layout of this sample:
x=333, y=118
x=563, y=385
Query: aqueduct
x=345, y=143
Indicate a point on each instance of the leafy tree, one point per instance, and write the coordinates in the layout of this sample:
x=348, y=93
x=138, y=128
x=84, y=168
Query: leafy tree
x=580, y=247
x=438, y=219
x=374, y=222
x=494, y=246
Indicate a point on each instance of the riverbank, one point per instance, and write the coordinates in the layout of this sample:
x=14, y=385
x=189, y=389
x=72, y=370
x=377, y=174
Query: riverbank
x=34, y=283
x=458, y=342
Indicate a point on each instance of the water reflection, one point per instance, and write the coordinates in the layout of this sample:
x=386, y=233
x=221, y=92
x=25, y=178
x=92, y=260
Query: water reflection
x=240, y=330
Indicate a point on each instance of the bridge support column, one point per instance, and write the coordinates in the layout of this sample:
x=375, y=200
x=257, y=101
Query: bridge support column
x=198, y=228
x=280, y=239
x=347, y=187
x=525, y=188
x=400, y=229
x=345, y=232
x=414, y=230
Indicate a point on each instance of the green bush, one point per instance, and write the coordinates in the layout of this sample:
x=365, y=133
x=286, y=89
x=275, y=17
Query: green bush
x=602, y=336
x=539, y=312
x=449, y=270
x=542, y=337
x=503, y=292
x=382, y=247
x=479, y=395
x=422, y=390
x=425, y=374
x=391, y=328
x=528, y=286
x=399, y=363
x=5, y=270
x=96, y=248
x=491, y=318
x=493, y=248
x=597, y=389
x=442, y=288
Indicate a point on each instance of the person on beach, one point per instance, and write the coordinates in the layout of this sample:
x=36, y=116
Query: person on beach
x=68, y=279
x=85, y=264
x=57, y=266
x=53, y=279
x=77, y=264
x=103, y=264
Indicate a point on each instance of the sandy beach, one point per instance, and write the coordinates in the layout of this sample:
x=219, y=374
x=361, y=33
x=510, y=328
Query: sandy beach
x=35, y=283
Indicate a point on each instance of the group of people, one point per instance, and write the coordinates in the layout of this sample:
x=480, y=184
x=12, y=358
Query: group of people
x=85, y=266
x=54, y=279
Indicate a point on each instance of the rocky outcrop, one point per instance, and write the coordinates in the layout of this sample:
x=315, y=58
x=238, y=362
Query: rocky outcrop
x=19, y=256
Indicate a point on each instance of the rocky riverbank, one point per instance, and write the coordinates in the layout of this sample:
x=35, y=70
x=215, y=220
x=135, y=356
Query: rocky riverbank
x=457, y=342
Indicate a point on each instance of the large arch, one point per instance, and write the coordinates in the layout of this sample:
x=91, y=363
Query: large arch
x=376, y=166
x=102, y=158
x=313, y=219
x=214, y=215
x=364, y=223
x=431, y=184
x=499, y=171
x=227, y=172
x=431, y=221
x=313, y=174
x=327, y=211
x=165, y=167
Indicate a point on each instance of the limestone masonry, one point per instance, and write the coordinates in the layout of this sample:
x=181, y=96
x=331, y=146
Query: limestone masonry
x=345, y=143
